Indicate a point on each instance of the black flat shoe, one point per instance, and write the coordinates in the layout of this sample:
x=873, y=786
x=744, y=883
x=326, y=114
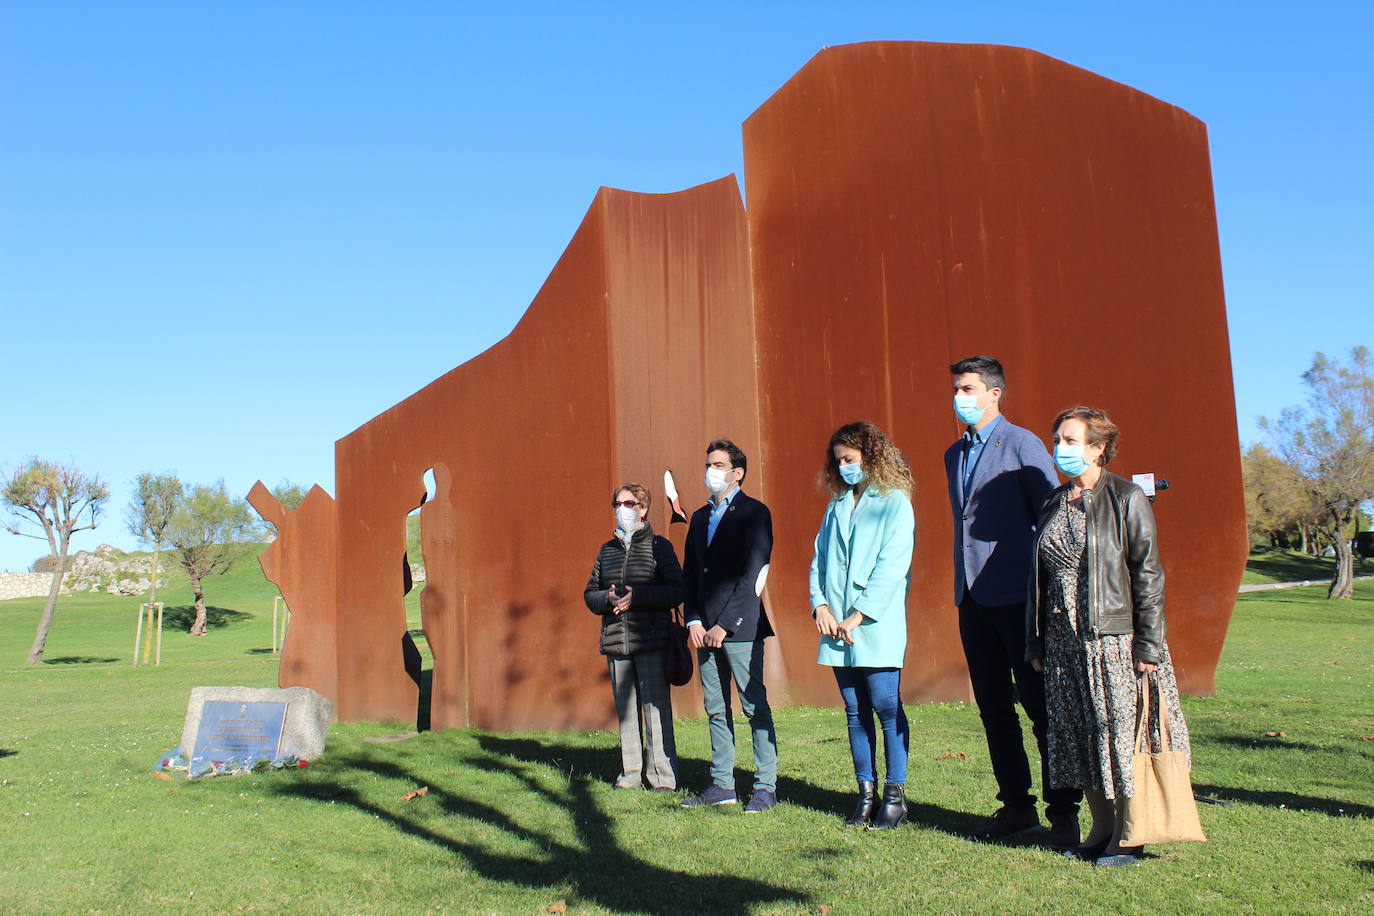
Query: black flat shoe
x=863, y=811
x=1088, y=852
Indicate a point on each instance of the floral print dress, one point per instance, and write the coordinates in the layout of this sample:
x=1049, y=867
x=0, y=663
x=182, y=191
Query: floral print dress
x=1090, y=682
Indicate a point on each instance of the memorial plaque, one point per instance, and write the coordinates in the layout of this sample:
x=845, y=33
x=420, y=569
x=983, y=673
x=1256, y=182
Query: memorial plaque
x=230, y=729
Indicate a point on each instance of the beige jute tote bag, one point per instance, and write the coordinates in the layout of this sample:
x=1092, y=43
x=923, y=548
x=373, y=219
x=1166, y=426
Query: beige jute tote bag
x=1163, y=809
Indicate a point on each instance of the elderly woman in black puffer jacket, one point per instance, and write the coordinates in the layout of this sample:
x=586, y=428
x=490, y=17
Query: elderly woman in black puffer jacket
x=635, y=583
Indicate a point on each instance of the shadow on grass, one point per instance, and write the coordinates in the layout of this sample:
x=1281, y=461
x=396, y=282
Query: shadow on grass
x=590, y=761
x=588, y=857
x=6, y=752
x=1290, y=800
x=1283, y=566
x=79, y=660
x=182, y=616
x=1365, y=865
x=1261, y=743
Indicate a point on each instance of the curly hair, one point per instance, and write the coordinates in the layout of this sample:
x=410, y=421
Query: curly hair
x=884, y=464
x=1101, y=430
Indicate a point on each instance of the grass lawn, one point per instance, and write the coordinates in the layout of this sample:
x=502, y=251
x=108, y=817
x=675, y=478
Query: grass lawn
x=1276, y=564
x=514, y=823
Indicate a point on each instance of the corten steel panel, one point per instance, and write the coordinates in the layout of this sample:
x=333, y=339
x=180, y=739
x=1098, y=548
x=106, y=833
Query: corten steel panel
x=301, y=563
x=912, y=203
x=600, y=383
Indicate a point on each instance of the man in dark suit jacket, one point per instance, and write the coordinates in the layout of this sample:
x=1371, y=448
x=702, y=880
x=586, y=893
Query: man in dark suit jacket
x=999, y=475
x=729, y=543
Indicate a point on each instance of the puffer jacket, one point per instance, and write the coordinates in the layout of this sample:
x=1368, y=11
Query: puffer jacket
x=1125, y=576
x=651, y=568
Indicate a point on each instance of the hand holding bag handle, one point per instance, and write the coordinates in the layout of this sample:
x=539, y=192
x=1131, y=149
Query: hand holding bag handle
x=1163, y=809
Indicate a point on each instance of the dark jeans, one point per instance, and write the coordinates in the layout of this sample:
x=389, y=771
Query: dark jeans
x=995, y=647
x=867, y=691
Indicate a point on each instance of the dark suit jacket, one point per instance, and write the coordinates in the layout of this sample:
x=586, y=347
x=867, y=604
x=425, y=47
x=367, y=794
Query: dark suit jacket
x=718, y=579
x=994, y=523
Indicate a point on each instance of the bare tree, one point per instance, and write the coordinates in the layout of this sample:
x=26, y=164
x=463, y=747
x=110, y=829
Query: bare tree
x=58, y=501
x=150, y=513
x=206, y=529
x=1331, y=444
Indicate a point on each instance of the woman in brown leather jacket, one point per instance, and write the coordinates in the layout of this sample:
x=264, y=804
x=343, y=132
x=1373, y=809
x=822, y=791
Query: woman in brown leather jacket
x=1095, y=625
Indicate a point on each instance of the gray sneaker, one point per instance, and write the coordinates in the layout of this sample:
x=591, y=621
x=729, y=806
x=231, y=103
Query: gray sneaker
x=760, y=802
x=712, y=795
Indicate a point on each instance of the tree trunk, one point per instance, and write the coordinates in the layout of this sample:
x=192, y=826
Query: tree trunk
x=49, y=609
x=157, y=550
x=199, y=627
x=1343, y=576
x=1304, y=546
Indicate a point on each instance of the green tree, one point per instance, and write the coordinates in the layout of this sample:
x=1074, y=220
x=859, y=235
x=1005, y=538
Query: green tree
x=57, y=500
x=150, y=513
x=289, y=494
x=1278, y=504
x=1330, y=442
x=206, y=531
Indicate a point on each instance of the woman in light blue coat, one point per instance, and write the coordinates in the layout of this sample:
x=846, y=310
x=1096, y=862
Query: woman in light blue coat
x=859, y=577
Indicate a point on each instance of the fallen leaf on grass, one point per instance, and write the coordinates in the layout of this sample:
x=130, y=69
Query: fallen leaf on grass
x=161, y=775
x=956, y=755
x=558, y=906
x=822, y=909
x=1276, y=734
x=423, y=790
x=1367, y=737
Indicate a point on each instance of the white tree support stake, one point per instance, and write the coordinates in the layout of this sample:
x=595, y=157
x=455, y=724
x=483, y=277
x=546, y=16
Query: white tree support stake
x=147, y=610
x=279, y=632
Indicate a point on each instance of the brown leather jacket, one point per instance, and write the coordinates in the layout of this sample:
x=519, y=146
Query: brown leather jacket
x=1125, y=577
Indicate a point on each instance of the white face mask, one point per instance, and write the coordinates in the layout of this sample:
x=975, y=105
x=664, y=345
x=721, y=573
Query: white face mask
x=716, y=482
x=627, y=519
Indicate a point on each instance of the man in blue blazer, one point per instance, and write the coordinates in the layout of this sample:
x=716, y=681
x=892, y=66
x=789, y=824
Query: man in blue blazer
x=998, y=476
x=729, y=542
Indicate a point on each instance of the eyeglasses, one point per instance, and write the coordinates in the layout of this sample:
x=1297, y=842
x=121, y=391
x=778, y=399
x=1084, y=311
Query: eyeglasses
x=627, y=503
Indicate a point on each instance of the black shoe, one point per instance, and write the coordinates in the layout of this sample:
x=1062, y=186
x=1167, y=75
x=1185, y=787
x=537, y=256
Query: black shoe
x=1007, y=822
x=760, y=802
x=1088, y=852
x=711, y=795
x=892, y=814
x=1064, y=831
x=863, y=811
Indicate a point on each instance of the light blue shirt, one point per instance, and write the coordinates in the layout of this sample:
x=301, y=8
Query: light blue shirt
x=974, y=440
x=718, y=507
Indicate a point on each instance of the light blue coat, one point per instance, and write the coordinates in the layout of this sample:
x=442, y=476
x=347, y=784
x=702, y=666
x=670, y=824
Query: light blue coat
x=867, y=571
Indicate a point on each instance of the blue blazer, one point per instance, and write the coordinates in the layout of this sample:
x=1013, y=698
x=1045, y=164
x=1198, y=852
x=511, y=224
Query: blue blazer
x=869, y=571
x=994, y=522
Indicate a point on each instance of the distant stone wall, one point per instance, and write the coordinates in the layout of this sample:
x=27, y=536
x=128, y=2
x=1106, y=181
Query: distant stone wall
x=24, y=585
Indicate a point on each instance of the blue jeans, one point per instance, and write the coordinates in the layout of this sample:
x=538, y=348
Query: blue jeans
x=741, y=662
x=866, y=691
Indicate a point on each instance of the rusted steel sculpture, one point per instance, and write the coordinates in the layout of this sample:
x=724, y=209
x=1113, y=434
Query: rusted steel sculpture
x=909, y=204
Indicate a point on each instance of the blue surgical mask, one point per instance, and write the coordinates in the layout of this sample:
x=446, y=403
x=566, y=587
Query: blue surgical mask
x=852, y=473
x=967, y=409
x=1069, y=459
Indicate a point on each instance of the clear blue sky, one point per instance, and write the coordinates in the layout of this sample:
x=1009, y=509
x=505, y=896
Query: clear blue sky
x=232, y=233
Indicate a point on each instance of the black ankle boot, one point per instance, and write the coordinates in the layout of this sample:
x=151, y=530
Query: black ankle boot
x=893, y=811
x=863, y=811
